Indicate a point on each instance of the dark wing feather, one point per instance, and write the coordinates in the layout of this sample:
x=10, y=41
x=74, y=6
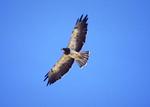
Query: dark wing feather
x=59, y=69
x=79, y=34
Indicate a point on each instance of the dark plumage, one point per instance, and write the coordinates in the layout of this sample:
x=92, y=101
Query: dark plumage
x=71, y=53
x=66, y=51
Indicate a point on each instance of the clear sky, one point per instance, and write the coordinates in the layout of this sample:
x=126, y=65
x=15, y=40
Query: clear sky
x=32, y=32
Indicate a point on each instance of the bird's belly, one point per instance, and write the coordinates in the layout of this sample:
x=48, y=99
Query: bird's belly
x=75, y=55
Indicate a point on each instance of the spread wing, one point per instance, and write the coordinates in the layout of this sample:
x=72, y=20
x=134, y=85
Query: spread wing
x=59, y=69
x=65, y=62
x=78, y=34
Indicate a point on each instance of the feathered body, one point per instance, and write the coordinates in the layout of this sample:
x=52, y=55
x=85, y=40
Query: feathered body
x=71, y=52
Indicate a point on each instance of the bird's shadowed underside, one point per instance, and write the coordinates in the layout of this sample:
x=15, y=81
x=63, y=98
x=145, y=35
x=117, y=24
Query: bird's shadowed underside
x=76, y=42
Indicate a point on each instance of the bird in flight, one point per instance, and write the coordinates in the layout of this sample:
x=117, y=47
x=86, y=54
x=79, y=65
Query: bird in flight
x=71, y=53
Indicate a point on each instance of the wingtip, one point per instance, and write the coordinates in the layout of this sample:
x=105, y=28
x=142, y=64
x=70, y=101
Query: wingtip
x=85, y=18
x=82, y=19
x=46, y=75
x=45, y=78
x=77, y=21
x=47, y=84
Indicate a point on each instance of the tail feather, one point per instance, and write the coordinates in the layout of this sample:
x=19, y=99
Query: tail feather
x=83, y=59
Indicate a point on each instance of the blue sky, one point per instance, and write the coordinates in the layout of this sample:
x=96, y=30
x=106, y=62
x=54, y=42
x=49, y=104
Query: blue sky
x=32, y=32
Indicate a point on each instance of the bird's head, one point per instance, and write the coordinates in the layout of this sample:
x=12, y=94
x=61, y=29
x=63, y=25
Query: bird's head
x=66, y=50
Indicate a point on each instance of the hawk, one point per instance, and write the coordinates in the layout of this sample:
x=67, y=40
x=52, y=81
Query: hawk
x=71, y=53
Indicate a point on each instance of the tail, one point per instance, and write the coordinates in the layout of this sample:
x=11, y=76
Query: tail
x=83, y=58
